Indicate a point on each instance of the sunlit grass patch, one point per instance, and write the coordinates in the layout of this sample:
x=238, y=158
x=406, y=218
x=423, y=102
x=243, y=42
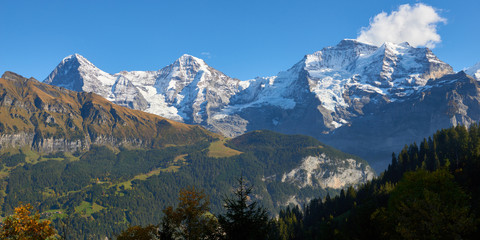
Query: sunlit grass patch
x=218, y=149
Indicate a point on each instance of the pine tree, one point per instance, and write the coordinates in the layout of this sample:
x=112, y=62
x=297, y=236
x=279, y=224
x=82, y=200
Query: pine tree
x=244, y=219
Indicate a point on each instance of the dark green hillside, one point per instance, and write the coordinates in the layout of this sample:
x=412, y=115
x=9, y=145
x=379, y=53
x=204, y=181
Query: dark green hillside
x=277, y=150
x=268, y=141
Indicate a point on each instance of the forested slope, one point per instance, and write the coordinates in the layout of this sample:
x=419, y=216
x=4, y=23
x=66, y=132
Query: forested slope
x=429, y=191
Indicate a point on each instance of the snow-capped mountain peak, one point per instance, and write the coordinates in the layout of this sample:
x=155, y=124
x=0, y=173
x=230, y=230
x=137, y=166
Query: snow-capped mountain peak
x=75, y=72
x=77, y=57
x=189, y=60
x=338, y=57
x=191, y=86
x=353, y=71
x=327, y=93
x=474, y=71
x=79, y=61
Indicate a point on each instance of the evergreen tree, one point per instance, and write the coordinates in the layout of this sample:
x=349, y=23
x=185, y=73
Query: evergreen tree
x=427, y=205
x=244, y=219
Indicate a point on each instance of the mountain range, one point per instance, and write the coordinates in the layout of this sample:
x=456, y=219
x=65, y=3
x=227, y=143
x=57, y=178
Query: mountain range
x=49, y=119
x=360, y=98
x=98, y=167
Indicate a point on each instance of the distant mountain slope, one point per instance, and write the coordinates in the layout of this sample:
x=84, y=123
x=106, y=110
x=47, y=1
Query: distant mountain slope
x=443, y=171
x=317, y=165
x=50, y=118
x=449, y=101
x=50, y=156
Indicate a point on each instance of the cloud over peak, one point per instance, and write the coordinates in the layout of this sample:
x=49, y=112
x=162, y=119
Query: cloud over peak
x=415, y=24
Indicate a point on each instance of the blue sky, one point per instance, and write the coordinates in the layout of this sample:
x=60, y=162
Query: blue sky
x=243, y=39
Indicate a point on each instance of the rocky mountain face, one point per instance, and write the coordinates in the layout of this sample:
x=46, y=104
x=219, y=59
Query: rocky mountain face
x=326, y=172
x=449, y=101
x=351, y=93
x=49, y=119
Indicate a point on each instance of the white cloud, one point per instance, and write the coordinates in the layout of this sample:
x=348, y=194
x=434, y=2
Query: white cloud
x=415, y=24
x=207, y=54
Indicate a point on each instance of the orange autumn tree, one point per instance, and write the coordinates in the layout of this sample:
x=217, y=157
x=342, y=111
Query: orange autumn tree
x=23, y=225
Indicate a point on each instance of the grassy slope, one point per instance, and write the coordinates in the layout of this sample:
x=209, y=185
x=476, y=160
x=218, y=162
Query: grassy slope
x=29, y=106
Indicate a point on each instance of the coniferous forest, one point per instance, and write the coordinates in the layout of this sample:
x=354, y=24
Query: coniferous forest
x=429, y=191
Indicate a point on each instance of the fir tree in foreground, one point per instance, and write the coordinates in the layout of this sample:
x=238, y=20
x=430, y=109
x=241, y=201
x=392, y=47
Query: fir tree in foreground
x=244, y=218
x=191, y=220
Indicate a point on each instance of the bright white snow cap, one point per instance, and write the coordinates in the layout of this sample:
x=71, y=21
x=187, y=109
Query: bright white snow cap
x=415, y=24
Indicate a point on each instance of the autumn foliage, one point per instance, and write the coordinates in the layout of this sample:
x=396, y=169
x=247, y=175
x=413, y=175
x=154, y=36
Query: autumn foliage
x=26, y=226
x=191, y=220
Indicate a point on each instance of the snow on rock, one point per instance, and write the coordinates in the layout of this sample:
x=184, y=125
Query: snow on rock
x=326, y=172
x=77, y=73
x=391, y=70
x=474, y=71
x=182, y=91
